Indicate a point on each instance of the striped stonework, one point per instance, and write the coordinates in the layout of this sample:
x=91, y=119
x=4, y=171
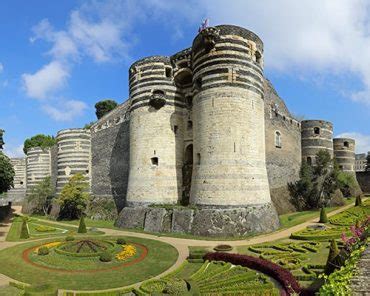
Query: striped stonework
x=316, y=135
x=20, y=180
x=344, y=153
x=38, y=166
x=73, y=156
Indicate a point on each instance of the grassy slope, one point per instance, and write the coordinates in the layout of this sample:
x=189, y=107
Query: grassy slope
x=160, y=257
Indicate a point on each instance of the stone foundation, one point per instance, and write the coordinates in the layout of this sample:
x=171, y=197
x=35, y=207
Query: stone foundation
x=203, y=222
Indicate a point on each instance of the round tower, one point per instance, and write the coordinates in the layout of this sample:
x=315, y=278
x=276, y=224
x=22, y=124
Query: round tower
x=20, y=179
x=73, y=156
x=37, y=166
x=344, y=153
x=228, y=119
x=156, y=134
x=316, y=135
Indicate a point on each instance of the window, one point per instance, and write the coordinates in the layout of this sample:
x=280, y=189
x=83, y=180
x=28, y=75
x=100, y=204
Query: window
x=168, y=72
x=258, y=57
x=198, y=158
x=309, y=160
x=346, y=144
x=277, y=139
x=21, y=182
x=175, y=129
x=316, y=130
x=190, y=125
x=198, y=83
x=154, y=161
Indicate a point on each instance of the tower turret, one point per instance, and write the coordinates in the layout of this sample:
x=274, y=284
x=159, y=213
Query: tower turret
x=156, y=133
x=344, y=153
x=316, y=135
x=228, y=119
x=38, y=166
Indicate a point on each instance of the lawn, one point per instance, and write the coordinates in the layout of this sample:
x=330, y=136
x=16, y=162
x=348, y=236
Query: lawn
x=35, y=227
x=159, y=258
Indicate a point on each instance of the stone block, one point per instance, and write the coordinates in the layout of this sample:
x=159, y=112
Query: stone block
x=131, y=217
x=182, y=220
x=154, y=219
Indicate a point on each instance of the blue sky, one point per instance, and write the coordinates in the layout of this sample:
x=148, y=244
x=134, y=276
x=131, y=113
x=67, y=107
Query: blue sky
x=58, y=58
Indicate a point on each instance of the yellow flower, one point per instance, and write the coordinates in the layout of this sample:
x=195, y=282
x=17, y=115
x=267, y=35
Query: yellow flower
x=127, y=252
x=48, y=245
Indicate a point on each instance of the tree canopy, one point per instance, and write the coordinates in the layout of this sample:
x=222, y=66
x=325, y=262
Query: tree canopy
x=104, y=107
x=41, y=196
x=6, y=173
x=40, y=140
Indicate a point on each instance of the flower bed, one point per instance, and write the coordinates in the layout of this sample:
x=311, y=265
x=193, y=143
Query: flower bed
x=127, y=252
x=352, y=215
x=283, y=276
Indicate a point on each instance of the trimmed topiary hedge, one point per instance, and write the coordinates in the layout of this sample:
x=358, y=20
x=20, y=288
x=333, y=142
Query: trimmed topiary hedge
x=283, y=276
x=223, y=248
x=106, y=257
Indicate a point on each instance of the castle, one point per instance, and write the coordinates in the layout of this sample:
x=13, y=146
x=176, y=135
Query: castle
x=203, y=129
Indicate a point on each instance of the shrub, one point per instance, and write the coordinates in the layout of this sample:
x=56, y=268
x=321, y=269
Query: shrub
x=105, y=257
x=43, y=251
x=283, y=276
x=121, y=241
x=24, y=230
x=176, y=287
x=333, y=253
x=358, y=202
x=223, y=248
x=70, y=238
x=44, y=228
x=323, y=216
x=82, y=225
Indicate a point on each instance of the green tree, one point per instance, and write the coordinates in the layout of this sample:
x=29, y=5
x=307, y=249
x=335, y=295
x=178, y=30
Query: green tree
x=358, y=201
x=40, y=140
x=24, y=229
x=1, y=138
x=74, y=197
x=6, y=173
x=104, y=107
x=89, y=125
x=82, y=225
x=316, y=184
x=41, y=196
x=323, y=216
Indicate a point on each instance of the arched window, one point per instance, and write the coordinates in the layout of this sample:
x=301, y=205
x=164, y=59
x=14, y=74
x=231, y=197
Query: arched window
x=346, y=144
x=277, y=139
x=316, y=130
x=309, y=160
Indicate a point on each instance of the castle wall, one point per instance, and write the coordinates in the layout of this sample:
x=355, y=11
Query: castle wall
x=228, y=119
x=344, y=153
x=316, y=135
x=110, y=156
x=156, y=134
x=37, y=166
x=18, y=193
x=283, y=149
x=74, y=154
x=363, y=179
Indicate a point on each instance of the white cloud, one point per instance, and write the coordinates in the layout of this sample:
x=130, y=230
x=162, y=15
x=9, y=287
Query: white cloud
x=13, y=151
x=324, y=37
x=362, y=141
x=46, y=81
x=1, y=67
x=65, y=110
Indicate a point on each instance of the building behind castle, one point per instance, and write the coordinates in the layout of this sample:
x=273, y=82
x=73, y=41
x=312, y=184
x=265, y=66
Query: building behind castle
x=203, y=129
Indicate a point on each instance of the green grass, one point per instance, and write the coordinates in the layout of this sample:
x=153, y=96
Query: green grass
x=292, y=219
x=15, y=230
x=9, y=291
x=160, y=257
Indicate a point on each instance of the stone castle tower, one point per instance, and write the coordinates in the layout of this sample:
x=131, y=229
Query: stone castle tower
x=344, y=153
x=316, y=135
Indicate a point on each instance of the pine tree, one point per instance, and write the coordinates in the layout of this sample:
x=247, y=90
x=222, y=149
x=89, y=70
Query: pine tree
x=323, y=216
x=82, y=225
x=24, y=230
x=333, y=254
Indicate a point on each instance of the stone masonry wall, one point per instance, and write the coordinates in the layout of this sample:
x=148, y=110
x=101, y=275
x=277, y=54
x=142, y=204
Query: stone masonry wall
x=363, y=179
x=110, y=163
x=283, y=160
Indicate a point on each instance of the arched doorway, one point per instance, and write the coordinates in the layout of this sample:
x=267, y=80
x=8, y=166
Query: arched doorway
x=187, y=171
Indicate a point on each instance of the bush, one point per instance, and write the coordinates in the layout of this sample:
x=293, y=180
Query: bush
x=82, y=225
x=323, y=216
x=121, y=241
x=70, y=238
x=223, y=248
x=105, y=257
x=358, y=202
x=176, y=287
x=43, y=251
x=44, y=228
x=24, y=230
x=283, y=276
x=333, y=253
